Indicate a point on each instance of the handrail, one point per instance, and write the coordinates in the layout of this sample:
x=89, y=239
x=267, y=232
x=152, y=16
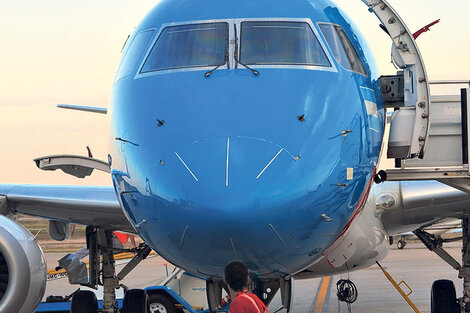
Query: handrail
x=449, y=82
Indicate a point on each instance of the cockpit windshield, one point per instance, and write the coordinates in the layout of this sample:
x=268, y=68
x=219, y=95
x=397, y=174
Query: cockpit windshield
x=191, y=45
x=215, y=45
x=342, y=48
x=279, y=42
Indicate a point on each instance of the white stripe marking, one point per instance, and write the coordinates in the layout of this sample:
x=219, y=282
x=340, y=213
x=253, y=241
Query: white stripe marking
x=374, y=130
x=186, y=166
x=371, y=108
x=226, y=169
x=367, y=88
x=264, y=169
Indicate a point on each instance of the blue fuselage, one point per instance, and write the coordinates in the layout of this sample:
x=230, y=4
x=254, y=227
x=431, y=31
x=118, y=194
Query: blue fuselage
x=268, y=169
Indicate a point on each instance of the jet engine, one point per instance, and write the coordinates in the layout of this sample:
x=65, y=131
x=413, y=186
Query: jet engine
x=22, y=268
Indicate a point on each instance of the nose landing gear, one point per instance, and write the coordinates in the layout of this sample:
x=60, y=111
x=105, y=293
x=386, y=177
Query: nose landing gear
x=102, y=272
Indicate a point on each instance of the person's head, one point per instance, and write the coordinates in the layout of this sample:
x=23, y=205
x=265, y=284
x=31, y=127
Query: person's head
x=236, y=275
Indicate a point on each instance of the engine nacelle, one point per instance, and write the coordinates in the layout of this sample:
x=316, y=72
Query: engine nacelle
x=22, y=268
x=406, y=206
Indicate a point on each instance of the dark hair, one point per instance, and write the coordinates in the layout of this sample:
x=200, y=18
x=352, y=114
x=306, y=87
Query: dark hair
x=236, y=275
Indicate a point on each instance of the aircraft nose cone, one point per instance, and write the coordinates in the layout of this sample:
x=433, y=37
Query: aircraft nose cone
x=226, y=194
x=228, y=173
x=223, y=198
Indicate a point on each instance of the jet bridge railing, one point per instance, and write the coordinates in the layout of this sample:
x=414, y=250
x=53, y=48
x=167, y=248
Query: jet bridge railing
x=448, y=147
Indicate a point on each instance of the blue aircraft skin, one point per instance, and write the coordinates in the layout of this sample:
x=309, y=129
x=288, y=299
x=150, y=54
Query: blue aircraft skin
x=173, y=180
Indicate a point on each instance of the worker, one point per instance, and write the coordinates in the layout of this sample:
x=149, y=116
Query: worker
x=236, y=276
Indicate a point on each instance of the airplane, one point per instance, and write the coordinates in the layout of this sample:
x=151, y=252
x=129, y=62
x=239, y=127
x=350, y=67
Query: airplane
x=247, y=130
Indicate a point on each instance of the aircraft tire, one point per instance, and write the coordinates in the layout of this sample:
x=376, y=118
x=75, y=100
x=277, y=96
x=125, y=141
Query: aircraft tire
x=443, y=297
x=401, y=244
x=84, y=301
x=135, y=301
x=161, y=304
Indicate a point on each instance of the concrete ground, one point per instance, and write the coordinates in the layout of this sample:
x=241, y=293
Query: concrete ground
x=415, y=264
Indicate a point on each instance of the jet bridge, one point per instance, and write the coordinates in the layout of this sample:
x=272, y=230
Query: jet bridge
x=447, y=161
x=447, y=149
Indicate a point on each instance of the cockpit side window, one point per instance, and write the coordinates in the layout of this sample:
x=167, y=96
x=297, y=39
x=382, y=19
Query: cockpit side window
x=133, y=53
x=280, y=43
x=342, y=48
x=191, y=45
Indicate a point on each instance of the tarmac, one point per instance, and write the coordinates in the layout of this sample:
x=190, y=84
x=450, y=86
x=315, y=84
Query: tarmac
x=415, y=264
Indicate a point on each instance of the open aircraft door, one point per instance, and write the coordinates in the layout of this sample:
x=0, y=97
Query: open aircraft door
x=408, y=92
x=422, y=121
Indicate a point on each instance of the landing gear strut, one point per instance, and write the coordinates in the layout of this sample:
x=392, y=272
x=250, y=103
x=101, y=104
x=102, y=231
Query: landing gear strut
x=443, y=298
x=103, y=272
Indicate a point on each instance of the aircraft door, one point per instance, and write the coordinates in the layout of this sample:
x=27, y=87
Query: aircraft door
x=416, y=94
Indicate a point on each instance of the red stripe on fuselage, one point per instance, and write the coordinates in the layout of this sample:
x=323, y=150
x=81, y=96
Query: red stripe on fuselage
x=360, y=205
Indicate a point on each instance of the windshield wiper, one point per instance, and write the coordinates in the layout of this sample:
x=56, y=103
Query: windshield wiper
x=244, y=65
x=208, y=73
x=235, y=56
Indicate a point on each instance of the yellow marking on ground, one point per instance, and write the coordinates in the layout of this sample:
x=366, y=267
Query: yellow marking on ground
x=320, y=303
x=197, y=308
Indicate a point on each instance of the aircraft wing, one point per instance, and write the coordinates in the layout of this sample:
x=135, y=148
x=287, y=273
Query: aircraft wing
x=87, y=205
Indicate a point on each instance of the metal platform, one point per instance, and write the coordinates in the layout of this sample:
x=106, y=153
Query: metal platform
x=446, y=157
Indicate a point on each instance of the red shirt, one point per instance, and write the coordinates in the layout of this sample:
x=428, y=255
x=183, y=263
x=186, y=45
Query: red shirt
x=241, y=304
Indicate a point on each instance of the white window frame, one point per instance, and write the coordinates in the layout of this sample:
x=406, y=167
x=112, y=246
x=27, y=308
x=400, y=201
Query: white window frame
x=323, y=36
x=231, y=64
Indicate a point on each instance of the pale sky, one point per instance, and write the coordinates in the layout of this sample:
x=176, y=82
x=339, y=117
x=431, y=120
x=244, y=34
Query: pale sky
x=55, y=51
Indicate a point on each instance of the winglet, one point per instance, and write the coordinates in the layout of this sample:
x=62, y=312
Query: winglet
x=83, y=108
